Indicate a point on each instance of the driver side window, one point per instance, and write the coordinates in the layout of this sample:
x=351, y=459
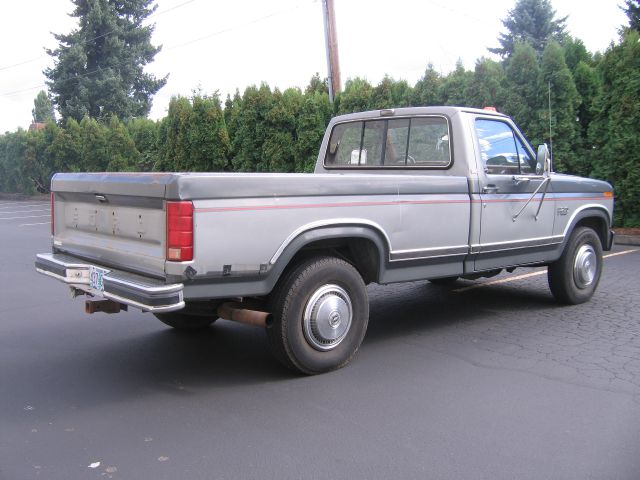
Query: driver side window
x=501, y=150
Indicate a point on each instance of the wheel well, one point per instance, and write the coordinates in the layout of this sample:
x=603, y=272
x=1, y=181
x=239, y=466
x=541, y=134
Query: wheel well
x=597, y=224
x=362, y=253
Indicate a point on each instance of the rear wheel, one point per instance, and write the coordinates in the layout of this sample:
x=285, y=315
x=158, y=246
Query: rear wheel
x=320, y=313
x=574, y=277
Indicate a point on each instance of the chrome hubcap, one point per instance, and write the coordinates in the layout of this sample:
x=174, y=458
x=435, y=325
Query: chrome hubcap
x=585, y=266
x=327, y=317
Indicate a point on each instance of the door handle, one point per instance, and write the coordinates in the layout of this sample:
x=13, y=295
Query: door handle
x=490, y=189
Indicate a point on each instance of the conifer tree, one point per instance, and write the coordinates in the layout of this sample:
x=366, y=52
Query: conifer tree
x=533, y=22
x=99, y=67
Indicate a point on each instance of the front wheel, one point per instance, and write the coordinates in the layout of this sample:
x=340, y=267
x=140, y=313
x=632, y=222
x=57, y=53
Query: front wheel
x=320, y=313
x=574, y=277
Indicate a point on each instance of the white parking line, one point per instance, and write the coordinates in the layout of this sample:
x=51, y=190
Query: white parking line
x=27, y=216
x=528, y=275
x=24, y=211
x=15, y=205
x=621, y=253
x=32, y=224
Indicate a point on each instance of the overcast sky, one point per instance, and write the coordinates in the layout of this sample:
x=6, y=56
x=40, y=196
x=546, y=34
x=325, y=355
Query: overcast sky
x=223, y=45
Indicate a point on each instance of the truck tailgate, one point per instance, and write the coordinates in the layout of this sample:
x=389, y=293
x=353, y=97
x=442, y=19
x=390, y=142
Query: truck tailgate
x=115, y=220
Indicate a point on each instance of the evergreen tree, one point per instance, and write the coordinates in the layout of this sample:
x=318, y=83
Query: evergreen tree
x=14, y=147
x=533, y=22
x=98, y=67
x=280, y=135
x=522, y=95
x=94, y=153
x=632, y=9
x=557, y=81
x=37, y=164
x=614, y=130
x=356, y=97
x=250, y=129
x=42, y=108
x=427, y=90
x=209, y=143
x=485, y=86
x=65, y=149
x=454, y=85
x=145, y=134
x=575, y=52
x=390, y=93
x=232, y=108
x=314, y=116
x=121, y=151
x=173, y=141
x=589, y=85
x=317, y=84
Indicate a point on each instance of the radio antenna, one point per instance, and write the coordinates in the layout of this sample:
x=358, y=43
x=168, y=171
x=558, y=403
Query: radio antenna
x=550, y=132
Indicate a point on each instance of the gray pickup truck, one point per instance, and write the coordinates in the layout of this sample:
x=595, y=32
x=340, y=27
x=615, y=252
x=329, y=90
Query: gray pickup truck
x=436, y=193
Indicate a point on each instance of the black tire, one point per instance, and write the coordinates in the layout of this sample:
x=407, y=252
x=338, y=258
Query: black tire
x=574, y=277
x=317, y=300
x=444, y=281
x=183, y=320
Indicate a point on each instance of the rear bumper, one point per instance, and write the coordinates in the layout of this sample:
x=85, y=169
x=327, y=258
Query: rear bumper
x=145, y=293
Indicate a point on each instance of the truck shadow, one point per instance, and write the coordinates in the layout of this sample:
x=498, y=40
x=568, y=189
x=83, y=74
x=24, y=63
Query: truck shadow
x=85, y=370
x=426, y=308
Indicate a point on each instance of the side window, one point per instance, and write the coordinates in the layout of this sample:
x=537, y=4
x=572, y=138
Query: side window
x=395, y=153
x=397, y=142
x=371, y=154
x=345, y=140
x=501, y=150
x=429, y=143
x=527, y=164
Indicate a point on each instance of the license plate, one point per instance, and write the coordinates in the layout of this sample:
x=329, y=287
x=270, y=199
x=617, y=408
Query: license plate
x=96, y=278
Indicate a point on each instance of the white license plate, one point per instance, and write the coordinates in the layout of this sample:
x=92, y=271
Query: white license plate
x=96, y=278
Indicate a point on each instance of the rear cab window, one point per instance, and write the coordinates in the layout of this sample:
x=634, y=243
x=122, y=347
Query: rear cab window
x=416, y=142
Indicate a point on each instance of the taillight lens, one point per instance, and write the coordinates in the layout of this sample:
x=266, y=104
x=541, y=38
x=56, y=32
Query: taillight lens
x=53, y=216
x=179, y=231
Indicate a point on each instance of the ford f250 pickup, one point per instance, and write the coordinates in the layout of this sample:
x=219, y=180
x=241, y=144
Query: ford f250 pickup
x=436, y=193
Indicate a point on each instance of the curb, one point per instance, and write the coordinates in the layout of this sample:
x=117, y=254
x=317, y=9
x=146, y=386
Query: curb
x=627, y=240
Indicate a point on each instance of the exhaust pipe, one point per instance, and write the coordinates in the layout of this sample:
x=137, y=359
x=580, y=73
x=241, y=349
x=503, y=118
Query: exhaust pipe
x=234, y=312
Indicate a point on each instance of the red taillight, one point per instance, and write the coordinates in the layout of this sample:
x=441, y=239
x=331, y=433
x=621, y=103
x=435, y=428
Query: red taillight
x=179, y=231
x=53, y=217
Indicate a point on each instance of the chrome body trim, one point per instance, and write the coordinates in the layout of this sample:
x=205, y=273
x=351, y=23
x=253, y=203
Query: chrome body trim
x=528, y=242
x=147, y=294
x=428, y=253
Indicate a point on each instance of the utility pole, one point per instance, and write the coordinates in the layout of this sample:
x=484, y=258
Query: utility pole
x=331, y=40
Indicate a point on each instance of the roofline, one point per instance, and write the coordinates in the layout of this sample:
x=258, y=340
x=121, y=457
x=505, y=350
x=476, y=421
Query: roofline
x=410, y=111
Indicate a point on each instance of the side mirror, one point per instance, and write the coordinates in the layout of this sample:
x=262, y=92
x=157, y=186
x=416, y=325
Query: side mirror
x=543, y=160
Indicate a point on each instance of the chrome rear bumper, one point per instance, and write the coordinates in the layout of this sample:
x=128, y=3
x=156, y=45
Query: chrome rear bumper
x=145, y=293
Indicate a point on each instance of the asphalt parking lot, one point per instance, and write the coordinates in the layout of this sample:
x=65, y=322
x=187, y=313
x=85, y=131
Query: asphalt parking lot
x=482, y=380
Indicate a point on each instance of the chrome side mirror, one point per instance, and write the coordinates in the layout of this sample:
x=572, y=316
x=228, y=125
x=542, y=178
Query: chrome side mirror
x=543, y=160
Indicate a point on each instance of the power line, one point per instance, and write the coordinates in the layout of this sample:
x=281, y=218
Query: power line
x=153, y=15
x=219, y=32
x=236, y=27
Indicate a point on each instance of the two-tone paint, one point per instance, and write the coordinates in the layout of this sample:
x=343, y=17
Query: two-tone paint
x=398, y=224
